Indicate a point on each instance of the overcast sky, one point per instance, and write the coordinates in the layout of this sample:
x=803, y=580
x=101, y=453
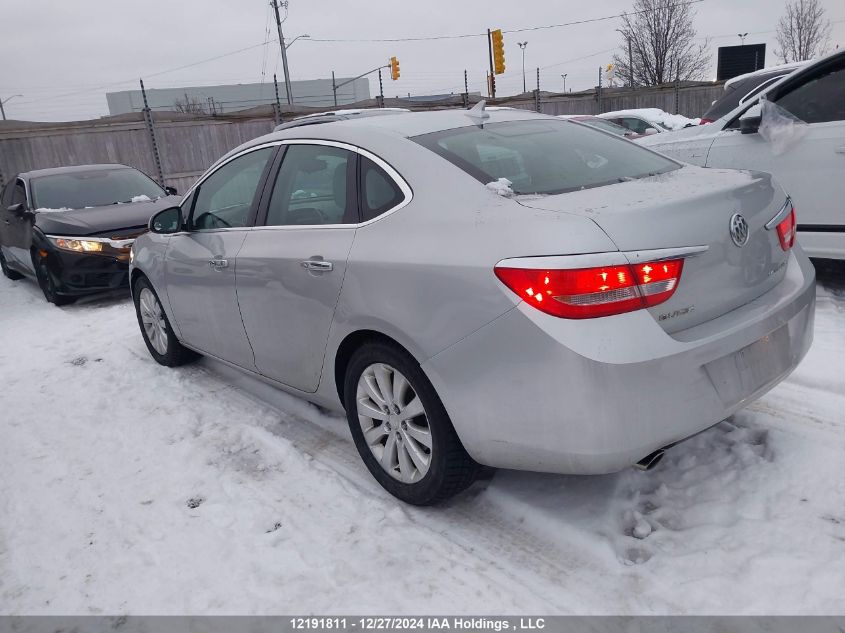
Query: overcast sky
x=64, y=56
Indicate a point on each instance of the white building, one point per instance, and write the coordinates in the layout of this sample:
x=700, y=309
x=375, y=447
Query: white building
x=229, y=98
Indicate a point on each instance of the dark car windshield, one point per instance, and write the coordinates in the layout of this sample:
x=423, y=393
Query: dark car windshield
x=94, y=188
x=544, y=157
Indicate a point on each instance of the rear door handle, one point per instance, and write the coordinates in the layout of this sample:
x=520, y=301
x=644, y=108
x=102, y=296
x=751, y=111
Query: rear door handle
x=317, y=265
x=218, y=263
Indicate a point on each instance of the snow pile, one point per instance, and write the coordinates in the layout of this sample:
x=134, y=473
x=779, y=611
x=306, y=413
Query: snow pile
x=656, y=115
x=141, y=198
x=502, y=186
x=48, y=210
x=127, y=487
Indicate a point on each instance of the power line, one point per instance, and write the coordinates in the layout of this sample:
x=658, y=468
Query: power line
x=429, y=38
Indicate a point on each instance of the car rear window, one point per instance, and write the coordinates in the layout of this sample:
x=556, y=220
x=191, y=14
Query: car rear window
x=545, y=156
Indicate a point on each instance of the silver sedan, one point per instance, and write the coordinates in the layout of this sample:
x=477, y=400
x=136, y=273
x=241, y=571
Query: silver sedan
x=472, y=287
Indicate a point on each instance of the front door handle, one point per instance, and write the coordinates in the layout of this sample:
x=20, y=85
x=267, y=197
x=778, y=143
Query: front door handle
x=317, y=265
x=218, y=263
x=840, y=150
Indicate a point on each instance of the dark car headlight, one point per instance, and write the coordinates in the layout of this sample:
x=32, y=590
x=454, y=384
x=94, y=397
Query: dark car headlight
x=90, y=245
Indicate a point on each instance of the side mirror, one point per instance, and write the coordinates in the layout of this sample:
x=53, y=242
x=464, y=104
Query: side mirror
x=171, y=191
x=649, y=131
x=749, y=122
x=167, y=221
x=19, y=210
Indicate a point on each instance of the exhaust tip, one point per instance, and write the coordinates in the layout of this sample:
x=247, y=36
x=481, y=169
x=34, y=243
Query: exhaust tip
x=651, y=460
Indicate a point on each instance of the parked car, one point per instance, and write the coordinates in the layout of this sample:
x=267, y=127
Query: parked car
x=647, y=121
x=70, y=228
x=601, y=124
x=810, y=167
x=500, y=288
x=337, y=115
x=740, y=89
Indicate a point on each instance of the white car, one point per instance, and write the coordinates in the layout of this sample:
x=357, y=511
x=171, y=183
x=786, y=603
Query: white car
x=796, y=131
x=647, y=121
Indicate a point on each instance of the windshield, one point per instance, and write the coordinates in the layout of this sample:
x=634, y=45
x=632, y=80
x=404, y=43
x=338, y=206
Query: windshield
x=544, y=157
x=95, y=188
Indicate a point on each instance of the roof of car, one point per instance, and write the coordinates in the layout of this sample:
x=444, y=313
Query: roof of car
x=338, y=115
x=71, y=169
x=412, y=123
x=782, y=69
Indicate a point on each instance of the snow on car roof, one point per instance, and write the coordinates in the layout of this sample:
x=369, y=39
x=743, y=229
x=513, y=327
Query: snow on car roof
x=655, y=115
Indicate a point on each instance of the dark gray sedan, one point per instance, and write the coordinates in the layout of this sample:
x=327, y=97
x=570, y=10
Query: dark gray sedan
x=70, y=228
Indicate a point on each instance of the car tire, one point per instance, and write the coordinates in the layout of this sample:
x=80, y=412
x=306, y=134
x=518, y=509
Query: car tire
x=8, y=272
x=156, y=330
x=393, y=447
x=48, y=285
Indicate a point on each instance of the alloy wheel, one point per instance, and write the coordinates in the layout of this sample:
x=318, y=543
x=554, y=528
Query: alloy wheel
x=394, y=423
x=152, y=317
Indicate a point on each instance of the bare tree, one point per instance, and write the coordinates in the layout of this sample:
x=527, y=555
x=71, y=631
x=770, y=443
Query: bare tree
x=190, y=105
x=659, y=38
x=803, y=32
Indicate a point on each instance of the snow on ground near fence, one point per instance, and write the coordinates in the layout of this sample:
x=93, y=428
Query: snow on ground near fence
x=126, y=487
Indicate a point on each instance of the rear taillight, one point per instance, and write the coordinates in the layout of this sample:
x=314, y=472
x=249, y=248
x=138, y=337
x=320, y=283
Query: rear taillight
x=586, y=293
x=705, y=121
x=786, y=231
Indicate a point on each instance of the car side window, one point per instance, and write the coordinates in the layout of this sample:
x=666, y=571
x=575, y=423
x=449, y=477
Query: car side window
x=637, y=125
x=224, y=199
x=315, y=185
x=379, y=192
x=819, y=99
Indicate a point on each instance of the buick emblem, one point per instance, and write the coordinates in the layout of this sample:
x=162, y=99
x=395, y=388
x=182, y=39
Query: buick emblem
x=739, y=230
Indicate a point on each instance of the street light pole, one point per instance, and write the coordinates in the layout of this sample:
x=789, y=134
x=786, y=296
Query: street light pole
x=289, y=44
x=742, y=37
x=564, y=81
x=288, y=92
x=2, y=101
x=522, y=46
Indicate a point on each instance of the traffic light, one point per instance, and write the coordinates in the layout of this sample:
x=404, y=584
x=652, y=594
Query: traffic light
x=394, y=68
x=498, y=51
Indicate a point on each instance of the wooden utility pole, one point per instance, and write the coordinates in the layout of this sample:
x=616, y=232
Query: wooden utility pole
x=288, y=92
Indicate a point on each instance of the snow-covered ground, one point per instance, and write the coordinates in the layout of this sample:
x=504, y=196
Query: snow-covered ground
x=126, y=487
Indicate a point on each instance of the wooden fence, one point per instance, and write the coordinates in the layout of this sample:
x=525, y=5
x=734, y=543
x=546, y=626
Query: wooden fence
x=188, y=144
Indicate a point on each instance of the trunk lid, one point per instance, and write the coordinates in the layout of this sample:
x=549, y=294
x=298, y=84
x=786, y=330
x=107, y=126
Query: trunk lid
x=687, y=207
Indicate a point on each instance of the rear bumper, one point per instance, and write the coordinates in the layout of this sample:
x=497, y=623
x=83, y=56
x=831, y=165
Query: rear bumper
x=533, y=392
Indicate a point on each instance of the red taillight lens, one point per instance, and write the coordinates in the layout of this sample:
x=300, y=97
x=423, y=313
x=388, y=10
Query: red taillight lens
x=705, y=121
x=786, y=231
x=586, y=293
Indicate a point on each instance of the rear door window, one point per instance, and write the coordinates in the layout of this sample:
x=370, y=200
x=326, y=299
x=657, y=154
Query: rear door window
x=315, y=185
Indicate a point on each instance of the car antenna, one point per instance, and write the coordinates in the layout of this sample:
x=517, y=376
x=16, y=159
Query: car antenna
x=477, y=113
